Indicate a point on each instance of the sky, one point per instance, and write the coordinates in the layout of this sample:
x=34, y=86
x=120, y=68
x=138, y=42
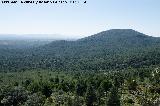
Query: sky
x=80, y=19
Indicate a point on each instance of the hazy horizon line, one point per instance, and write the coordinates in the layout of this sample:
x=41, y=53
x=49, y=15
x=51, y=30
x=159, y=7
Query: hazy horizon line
x=61, y=36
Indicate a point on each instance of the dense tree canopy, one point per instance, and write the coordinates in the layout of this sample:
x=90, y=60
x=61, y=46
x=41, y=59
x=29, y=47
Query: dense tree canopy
x=111, y=68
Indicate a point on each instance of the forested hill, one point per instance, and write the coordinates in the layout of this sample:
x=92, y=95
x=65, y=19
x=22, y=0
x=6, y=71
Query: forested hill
x=122, y=38
x=111, y=40
x=112, y=49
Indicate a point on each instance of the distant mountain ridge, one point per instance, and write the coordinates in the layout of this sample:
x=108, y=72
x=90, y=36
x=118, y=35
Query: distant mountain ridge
x=35, y=37
x=106, y=40
x=117, y=34
x=111, y=49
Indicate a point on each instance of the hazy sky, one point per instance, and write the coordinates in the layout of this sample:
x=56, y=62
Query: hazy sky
x=81, y=19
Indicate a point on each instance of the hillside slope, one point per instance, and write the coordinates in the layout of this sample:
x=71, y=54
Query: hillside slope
x=112, y=49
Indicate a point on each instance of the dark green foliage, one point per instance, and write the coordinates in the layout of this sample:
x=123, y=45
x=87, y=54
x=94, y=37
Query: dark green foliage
x=105, y=86
x=81, y=88
x=132, y=85
x=56, y=80
x=16, y=96
x=27, y=82
x=114, y=98
x=34, y=87
x=64, y=86
x=46, y=90
x=130, y=101
x=36, y=99
x=15, y=83
x=90, y=96
x=155, y=89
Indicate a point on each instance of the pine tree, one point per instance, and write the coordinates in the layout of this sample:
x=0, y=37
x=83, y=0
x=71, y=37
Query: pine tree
x=90, y=96
x=114, y=99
